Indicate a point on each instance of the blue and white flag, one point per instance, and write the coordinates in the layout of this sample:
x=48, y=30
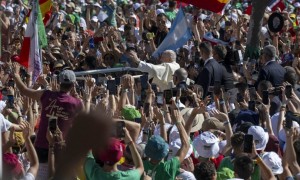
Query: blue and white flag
x=179, y=34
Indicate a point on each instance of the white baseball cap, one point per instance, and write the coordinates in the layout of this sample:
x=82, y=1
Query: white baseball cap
x=136, y=6
x=222, y=145
x=273, y=161
x=282, y=135
x=157, y=129
x=260, y=137
x=97, y=5
x=9, y=9
x=175, y=146
x=174, y=134
x=160, y=11
x=94, y=18
x=297, y=4
x=207, y=145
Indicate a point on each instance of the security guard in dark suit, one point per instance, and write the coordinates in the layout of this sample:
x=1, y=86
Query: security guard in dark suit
x=271, y=71
x=212, y=71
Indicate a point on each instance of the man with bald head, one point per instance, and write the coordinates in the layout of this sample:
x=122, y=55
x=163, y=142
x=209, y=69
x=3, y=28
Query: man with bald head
x=162, y=74
x=179, y=78
x=271, y=70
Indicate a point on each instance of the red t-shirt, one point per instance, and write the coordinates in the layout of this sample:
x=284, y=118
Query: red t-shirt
x=61, y=105
x=216, y=161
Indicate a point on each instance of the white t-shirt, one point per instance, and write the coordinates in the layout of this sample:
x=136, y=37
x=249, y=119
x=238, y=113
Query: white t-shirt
x=186, y=175
x=4, y=123
x=28, y=176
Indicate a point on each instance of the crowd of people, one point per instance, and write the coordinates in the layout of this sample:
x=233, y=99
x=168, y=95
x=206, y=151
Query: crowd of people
x=203, y=111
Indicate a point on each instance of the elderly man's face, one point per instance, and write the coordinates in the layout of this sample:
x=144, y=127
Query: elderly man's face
x=165, y=58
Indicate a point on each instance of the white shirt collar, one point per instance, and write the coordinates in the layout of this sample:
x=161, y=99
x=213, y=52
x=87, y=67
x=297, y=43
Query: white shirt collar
x=206, y=61
x=273, y=60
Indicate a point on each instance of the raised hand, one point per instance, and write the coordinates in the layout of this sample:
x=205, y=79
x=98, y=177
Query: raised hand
x=16, y=68
x=89, y=81
x=27, y=129
x=219, y=115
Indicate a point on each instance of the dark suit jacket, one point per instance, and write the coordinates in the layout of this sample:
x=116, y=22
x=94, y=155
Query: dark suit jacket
x=211, y=73
x=227, y=78
x=272, y=72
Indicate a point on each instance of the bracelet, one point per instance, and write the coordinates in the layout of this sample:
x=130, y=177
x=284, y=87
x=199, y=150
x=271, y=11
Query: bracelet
x=226, y=122
x=178, y=122
x=124, y=90
x=282, y=108
x=129, y=143
x=258, y=160
x=222, y=102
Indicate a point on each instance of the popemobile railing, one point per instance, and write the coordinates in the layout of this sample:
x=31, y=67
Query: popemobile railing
x=80, y=74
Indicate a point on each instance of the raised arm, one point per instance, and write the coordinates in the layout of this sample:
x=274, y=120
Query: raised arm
x=291, y=156
x=137, y=160
x=265, y=111
x=160, y=117
x=266, y=172
x=177, y=119
x=33, y=158
x=33, y=94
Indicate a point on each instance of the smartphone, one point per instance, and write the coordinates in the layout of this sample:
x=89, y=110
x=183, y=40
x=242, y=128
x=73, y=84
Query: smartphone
x=52, y=124
x=147, y=109
x=143, y=95
x=11, y=83
x=144, y=81
x=248, y=143
x=98, y=39
x=251, y=105
x=112, y=87
x=265, y=98
x=252, y=92
x=159, y=98
x=118, y=81
x=174, y=92
x=168, y=96
x=211, y=89
x=217, y=88
x=91, y=43
x=288, y=121
x=139, y=104
x=10, y=101
x=120, y=129
x=138, y=120
x=239, y=97
x=288, y=91
x=154, y=88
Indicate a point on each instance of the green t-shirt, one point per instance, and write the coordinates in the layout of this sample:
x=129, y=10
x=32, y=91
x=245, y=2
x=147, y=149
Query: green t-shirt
x=171, y=15
x=165, y=170
x=94, y=172
x=227, y=163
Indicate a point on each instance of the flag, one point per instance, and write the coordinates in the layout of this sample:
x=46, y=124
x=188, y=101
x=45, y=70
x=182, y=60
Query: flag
x=216, y=6
x=208, y=37
x=273, y=5
x=34, y=39
x=178, y=35
x=45, y=6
